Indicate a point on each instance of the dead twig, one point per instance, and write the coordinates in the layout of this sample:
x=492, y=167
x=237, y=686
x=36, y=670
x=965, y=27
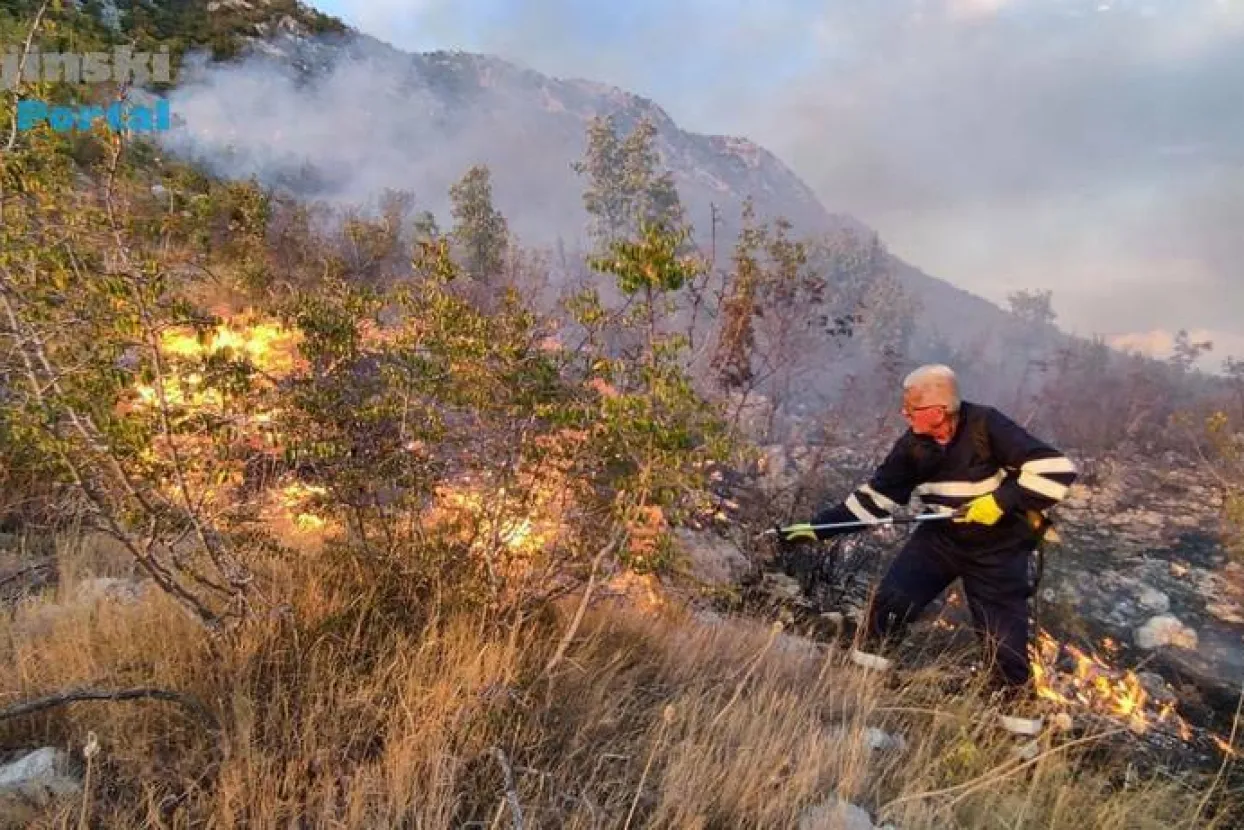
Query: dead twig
x=30, y=37
x=568, y=638
x=996, y=774
x=41, y=704
x=1226, y=759
x=511, y=794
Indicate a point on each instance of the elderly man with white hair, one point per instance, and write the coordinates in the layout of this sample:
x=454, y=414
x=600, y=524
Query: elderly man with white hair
x=997, y=480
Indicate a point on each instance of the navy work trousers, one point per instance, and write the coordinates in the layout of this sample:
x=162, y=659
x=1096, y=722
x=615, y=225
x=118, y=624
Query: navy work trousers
x=996, y=585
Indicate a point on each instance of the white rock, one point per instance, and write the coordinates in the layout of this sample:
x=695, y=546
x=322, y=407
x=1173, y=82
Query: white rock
x=836, y=814
x=1154, y=600
x=1165, y=630
x=881, y=740
x=707, y=616
x=39, y=776
x=125, y=591
x=877, y=740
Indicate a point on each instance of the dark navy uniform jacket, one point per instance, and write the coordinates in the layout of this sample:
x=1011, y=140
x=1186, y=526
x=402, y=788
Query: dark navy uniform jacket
x=989, y=453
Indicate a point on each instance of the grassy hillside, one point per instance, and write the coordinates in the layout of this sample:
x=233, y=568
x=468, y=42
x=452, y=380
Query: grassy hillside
x=394, y=550
x=335, y=714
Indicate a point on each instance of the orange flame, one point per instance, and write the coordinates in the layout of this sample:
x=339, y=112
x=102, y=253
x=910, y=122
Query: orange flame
x=273, y=350
x=269, y=347
x=1095, y=685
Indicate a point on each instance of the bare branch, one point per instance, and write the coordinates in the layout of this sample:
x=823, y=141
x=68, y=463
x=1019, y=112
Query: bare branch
x=568, y=638
x=30, y=38
x=511, y=794
x=41, y=704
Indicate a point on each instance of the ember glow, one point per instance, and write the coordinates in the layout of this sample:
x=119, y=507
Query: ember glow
x=1090, y=682
x=477, y=511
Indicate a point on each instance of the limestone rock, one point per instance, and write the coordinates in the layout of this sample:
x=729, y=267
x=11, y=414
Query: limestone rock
x=1154, y=600
x=34, y=781
x=836, y=814
x=1165, y=630
x=882, y=741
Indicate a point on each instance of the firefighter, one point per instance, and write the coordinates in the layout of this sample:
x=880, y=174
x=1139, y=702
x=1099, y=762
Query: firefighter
x=972, y=461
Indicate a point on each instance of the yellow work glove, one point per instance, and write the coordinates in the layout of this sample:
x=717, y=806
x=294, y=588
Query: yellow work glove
x=983, y=511
x=795, y=533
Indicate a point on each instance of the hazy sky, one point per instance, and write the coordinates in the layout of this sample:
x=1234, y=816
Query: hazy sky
x=1091, y=148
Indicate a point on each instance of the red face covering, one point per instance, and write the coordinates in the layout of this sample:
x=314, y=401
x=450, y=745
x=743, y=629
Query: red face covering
x=933, y=421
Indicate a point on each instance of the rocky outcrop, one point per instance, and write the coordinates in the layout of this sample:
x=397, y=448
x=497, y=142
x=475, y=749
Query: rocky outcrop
x=712, y=559
x=1142, y=562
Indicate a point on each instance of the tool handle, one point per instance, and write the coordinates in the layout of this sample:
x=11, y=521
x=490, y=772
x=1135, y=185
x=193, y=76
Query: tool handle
x=890, y=520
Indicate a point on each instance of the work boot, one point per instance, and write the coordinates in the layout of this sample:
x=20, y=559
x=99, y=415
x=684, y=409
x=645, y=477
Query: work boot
x=1022, y=715
x=1020, y=712
x=1022, y=720
x=870, y=661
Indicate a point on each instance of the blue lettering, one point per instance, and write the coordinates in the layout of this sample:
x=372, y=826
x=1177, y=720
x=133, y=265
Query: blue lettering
x=87, y=116
x=30, y=113
x=114, y=116
x=139, y=119
x=62, y=119
x=119, y=117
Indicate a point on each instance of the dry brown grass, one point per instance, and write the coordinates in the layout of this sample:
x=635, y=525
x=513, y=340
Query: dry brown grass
x=333, y=717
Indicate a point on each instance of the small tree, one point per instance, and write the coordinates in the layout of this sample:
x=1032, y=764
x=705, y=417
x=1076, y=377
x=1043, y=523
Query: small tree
x=1034, y=308
x=99, y=348
x=654, y=433
x=734, y=355
x=624, y=189
x=1033, y=316
x=480, y=232
x=1186, y=352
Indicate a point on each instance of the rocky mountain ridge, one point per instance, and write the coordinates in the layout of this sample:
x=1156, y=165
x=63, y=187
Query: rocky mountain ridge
x=429, y=116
